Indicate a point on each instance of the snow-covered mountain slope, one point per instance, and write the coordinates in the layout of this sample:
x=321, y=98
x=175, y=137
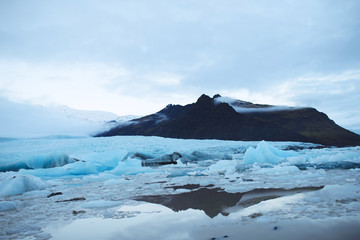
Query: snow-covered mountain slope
x=249, y=107
x=86, y=115
x=27, y=120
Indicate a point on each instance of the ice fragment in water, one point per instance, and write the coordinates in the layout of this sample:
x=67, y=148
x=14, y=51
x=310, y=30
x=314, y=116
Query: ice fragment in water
x=6, y=205
x=266, y=153
x=14, y=184
x=36, y=162
x=101, y=204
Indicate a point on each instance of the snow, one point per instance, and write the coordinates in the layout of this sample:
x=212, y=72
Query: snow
x=98, y=178
x=248, y=107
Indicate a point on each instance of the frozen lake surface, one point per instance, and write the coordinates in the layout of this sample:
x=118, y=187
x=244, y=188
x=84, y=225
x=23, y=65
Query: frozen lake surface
x=151, y=187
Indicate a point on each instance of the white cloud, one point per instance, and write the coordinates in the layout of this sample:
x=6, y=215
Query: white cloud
x=335, y=94
x=134, y=57
x=163, y=79
x=27, y=120
x=89, y=86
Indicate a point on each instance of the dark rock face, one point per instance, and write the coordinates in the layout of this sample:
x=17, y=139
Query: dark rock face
x=54, y=194
x=206, y=119
x=72, y=200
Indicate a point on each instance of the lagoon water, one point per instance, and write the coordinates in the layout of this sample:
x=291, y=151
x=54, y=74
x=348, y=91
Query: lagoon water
x=91, y=188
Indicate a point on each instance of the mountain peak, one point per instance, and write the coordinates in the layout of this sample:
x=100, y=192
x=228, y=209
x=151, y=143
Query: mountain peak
x=204, y=99
x=230, y=119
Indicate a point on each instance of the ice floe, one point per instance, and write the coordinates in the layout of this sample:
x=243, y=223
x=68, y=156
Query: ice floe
x=6, y=205
x=266, y=153
x=110, y=173
x=14, y=184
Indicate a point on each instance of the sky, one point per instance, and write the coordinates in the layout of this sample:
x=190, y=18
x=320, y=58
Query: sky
x=135, y=57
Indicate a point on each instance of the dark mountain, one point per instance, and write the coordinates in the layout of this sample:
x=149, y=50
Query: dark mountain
x=229, y=119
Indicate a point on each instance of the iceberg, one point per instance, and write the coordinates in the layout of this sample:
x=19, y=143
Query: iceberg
x=345, y=193
x=130, y=167
x=101, y=204
x=15, y=184
x=36, y=162
x=7, y=205
x=265, y=153
x=223, y=167
x=93, y=163
x=110, y=174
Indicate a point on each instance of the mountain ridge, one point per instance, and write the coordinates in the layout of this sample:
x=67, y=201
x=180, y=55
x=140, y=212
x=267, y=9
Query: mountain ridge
x=209, y=118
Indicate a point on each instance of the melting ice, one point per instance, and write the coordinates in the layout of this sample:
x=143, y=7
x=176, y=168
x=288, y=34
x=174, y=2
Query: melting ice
x=46, y=183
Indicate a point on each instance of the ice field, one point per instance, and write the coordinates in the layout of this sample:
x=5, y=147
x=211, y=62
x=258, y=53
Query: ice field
x=156, y=188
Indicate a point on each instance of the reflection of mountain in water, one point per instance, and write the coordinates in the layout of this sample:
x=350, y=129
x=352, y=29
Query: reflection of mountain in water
x=215, y=200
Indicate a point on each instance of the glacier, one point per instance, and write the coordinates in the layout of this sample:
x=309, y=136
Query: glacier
x=75, y=182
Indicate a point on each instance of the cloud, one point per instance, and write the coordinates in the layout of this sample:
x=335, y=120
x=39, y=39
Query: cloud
x=335, y=94
x=163, y=79
x=134, y=57
x=28, y=120
x=89, y=86
x=252, y=42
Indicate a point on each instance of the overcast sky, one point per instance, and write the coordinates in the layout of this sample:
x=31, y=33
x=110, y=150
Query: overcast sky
x=135, y=57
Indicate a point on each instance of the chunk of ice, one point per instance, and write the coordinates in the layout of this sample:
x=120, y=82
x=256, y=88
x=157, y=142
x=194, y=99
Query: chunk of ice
x=36, y=162
x=130, y=167
x=266, y=153
x=14, y=184
x=6, y=205
x=223, y=167
x=101, y=204
x=340, y=193
x=49, y=161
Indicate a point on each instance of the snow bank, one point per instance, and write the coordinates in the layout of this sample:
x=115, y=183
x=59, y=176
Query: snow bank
x=14, y=184
x=266, y=153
